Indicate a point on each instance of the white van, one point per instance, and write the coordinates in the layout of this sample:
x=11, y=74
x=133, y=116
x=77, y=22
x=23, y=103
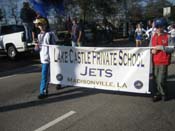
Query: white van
x=12, y=40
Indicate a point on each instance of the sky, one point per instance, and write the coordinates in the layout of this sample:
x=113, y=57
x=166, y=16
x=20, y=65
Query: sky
x=172, y=1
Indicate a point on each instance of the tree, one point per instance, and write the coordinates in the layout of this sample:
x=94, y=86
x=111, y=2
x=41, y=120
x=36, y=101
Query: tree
x=14, y=10
x=105, y=7
x=154, y=8
x=94, y=8
x=86, y=7
x=1, y=15
x=135, y=10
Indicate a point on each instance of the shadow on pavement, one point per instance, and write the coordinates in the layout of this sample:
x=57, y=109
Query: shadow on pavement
x=59, y=97
x=22, y=70
x=171, y=89
x=24, y=59
x=170, y=86
x=74, y=93
x=71, y=93
x=25, y=63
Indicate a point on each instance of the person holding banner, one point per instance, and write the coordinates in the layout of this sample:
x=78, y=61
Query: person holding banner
x=45, y=38
x=161, y=59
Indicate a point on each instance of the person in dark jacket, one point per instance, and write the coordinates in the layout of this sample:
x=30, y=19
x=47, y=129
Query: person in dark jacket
x=27, y=16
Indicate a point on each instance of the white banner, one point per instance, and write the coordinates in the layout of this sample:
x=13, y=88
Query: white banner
x=119, y=69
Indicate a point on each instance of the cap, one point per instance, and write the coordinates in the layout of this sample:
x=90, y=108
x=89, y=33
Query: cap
x=40, y=21
x=160, y=23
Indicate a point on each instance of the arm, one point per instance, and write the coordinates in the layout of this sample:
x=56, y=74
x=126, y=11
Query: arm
x=54, y=39
x=169, y=31
x=143, y=30
x=148, y=32
x=167, y=49
x=79, y=36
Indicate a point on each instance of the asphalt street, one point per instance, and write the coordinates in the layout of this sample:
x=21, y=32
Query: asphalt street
x=76, y=108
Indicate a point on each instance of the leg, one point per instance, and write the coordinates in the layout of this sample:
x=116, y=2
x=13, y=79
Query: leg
x=162, y=85
x=156, y=93
x=156, y=71
x=137, y=43
x=140, y=42
x=44, y=78
x=26, y=31
x=30, y=27
x=73, y=44
x=79, y=44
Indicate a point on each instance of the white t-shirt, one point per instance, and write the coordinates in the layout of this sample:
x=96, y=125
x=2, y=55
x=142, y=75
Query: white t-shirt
x=45, y=39
x=140, y=31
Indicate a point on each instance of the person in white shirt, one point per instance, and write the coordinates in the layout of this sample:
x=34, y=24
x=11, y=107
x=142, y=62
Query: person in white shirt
x=45, y=38
x=150, y=32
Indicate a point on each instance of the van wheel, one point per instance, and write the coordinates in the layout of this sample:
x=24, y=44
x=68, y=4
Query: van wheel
x=11, y=52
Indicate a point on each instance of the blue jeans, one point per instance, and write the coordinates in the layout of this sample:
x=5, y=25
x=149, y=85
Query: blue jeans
x=44, y=78
x=28, y=31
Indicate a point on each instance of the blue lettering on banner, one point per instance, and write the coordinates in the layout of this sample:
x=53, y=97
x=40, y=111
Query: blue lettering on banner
x=117, y=58
x=97, y=72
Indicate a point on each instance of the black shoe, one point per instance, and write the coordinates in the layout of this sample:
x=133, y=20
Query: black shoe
x=42, y=96
x=156, y=98
x=58, y=86
x=165, y=98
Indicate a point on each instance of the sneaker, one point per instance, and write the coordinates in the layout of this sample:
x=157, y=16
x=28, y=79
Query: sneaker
x=156, y=98
x=58, y=86
x=42, y=96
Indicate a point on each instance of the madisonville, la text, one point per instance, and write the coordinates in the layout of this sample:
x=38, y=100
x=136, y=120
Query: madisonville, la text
x=109, y=58
x=97, y=83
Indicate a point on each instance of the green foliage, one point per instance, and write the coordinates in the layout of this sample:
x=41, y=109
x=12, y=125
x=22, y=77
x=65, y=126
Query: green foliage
x=105, y=7
x=1, y=15
x=94, y=7
x=134, y=9
x=86, y=7
x=154, y=8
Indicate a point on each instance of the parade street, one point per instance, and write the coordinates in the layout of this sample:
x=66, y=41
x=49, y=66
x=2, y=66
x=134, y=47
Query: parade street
x=87, y=65
x=76, y=108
